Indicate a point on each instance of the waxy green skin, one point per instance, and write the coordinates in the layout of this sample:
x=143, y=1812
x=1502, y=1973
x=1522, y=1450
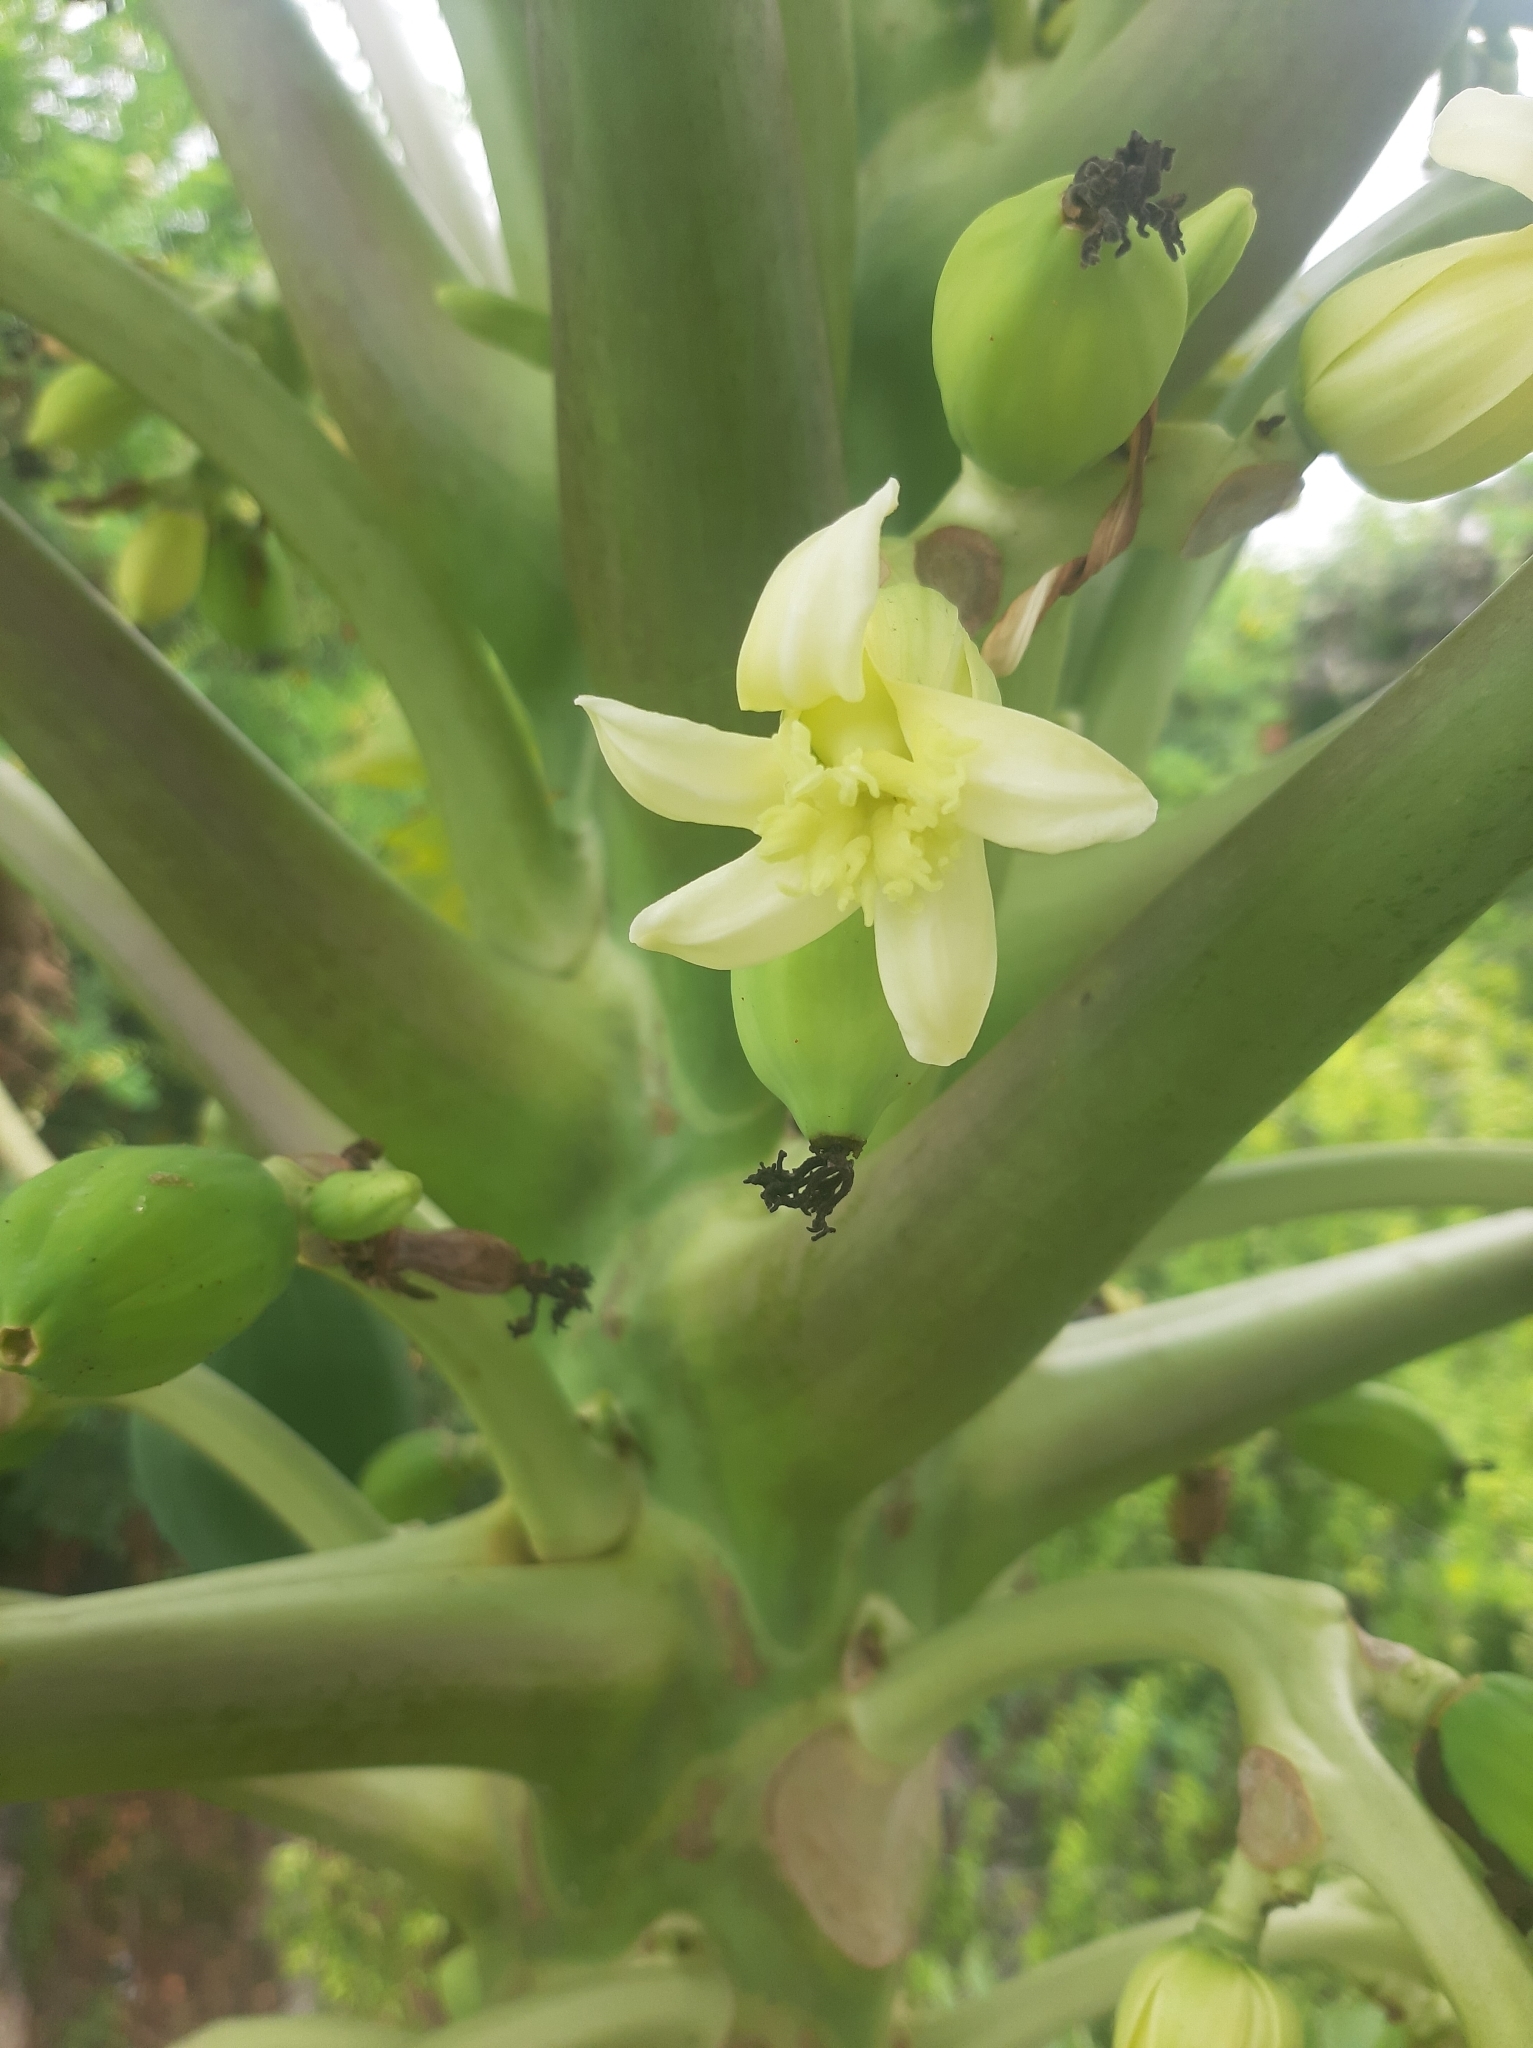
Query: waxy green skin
x=122, y=1267
x=696, y=1659
x=1045, y=365
x=1486, y=1734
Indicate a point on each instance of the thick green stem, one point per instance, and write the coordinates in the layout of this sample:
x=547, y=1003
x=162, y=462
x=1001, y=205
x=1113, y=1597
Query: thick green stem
x=49, y=857
x=1119, y=1400
x=408, y=1652
x=1253, y=1194
x=505, y=1090
x=698, y=438
x=457, y=437
x=1287, y=1652
x=575, y=1497
x=456, y=1834
x=654, y=2004
x=528, y=883
x=1140, y=649
x=1037, y=1172
x=272, y=1462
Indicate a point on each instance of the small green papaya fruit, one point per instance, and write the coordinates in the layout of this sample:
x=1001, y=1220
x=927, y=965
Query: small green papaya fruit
x=82, y=411
x=123, y=1267
x=1047, y=358
x=330, y=1367
x=247, y=594
x=1485, y=1738
x=349, y=1206
x=426, y=1475
x=160, y=568
x=1378, y=1436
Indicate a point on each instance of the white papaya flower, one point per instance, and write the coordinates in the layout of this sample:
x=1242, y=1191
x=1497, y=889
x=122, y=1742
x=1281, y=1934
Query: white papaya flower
x=1419, y=375
x=894, y=760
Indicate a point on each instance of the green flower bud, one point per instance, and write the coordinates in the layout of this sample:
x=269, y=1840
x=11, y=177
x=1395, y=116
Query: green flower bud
x=1485, y=1736
x=1192, y=1996
x=348, y=1207
x=426, y=1475
x=1418, y=375
x=1216, y=237
x=82, y=411
x=818, y=1032
x=121, y=1268
x=160, y=568
x=1382, y=1438
x=247, y=593
x=520, y=329
x=1047, y=357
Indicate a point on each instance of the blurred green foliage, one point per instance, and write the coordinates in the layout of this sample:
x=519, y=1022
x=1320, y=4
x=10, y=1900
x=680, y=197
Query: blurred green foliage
x=359, y=1939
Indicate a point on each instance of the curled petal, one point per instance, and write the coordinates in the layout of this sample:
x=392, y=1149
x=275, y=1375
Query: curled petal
x=804, y=641
x=914, y=636
x=1489, y=135
x=1028, y=782
x=936, y=958
x=695, y=773
x=735, y=916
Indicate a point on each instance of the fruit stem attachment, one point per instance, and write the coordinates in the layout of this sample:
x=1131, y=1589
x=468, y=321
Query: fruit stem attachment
x=816, y=1188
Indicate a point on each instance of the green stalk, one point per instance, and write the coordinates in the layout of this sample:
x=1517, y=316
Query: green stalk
x=45, y=853
x=1036, y=1173
x=383, y=1654
x=300, y=2030
x=1232, y=83
x=1038, y=2006
x=656, y=2004
x=491, y=41
x=574, y=1497
x=457, y=437
x=1118, y=1400
x=1286, y=1651
x=274, y=1464
x=1140, y=648
x=1254, y=1194
x=450, y=1832
x=698, y=438
x=496, y=1086
x=528, y=883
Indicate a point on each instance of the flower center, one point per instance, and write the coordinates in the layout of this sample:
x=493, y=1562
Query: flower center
x=859, y=814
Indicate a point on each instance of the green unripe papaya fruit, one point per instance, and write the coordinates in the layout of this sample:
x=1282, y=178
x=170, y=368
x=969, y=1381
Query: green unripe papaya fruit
x=819, y=1034
x=247, y=593
x=82, y=410
x=1046, y=364
x=122, y=1268
x=349, y=1206
x=426, y=1475
x=160, y=568
x=330, y=1367
x=1485, y=1737
x=1380, y=1437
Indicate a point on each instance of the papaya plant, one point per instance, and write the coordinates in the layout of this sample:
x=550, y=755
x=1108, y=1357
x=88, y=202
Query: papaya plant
x=830, y=1014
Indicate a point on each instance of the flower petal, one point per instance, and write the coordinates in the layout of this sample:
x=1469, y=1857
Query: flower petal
x=1489, y=135
x=682, y=770
x=735, y=916
x=804, y=641
x=936, y=957
x=1028, y=782
x=914, y=636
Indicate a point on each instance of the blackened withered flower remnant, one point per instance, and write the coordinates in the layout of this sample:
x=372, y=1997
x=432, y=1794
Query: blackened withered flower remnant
x=467, y=1262
x=816, y=1188
x=1109, y=195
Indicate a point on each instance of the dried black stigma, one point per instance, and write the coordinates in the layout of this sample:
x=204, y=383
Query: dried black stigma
x=814, y=1189
x=1108, y=198
x=567, y=1287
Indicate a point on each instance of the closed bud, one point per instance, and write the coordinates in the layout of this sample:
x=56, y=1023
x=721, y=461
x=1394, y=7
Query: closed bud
x=123, y=1267
x=1054, y=325
x=247, y=593
x=1189, y=1995
x=82, y=411
x=159, y=570
x=1382, y=1438
x=348, y=1207
x=1215, y=238
x=426, y=1475
x=1485, y=1741
x=511, y=324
